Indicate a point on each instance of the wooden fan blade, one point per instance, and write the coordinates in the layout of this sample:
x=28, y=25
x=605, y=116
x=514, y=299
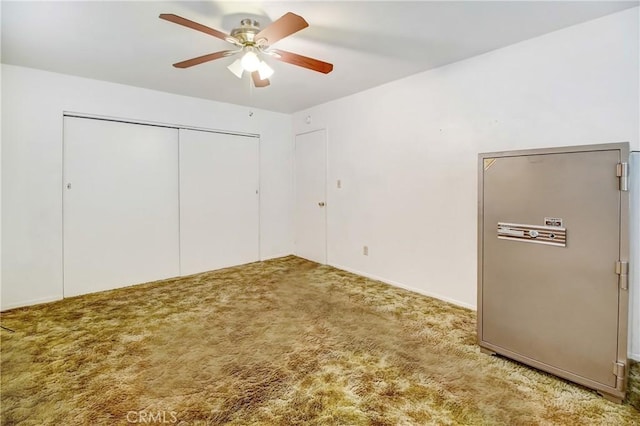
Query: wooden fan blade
x=194, y=25
x=303, y=61
x=257, y=82
x=204, y=58
x=282, y=27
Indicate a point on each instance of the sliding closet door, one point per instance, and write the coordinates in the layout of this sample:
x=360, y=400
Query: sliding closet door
x=120, y=204
x=219, y=202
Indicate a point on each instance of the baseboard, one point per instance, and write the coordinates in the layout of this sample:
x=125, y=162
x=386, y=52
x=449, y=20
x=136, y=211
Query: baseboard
x=30, y=303
x=405, y=287
x=634, y=356
x=275, y=256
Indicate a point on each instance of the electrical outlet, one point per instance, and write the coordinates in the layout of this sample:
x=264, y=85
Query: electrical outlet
x=365, y=250
x=339, y=184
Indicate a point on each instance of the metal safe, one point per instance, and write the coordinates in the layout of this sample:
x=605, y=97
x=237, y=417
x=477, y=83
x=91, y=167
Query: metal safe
x=553, y=251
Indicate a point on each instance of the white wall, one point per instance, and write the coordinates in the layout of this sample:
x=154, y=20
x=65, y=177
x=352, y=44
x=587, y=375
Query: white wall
x=33, y=102
x=0, y=168
x=406, y=152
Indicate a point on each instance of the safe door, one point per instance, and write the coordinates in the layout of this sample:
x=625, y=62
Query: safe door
x=553, y=257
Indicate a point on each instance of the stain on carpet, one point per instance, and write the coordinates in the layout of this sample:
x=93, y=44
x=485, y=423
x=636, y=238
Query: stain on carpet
x=284, y=341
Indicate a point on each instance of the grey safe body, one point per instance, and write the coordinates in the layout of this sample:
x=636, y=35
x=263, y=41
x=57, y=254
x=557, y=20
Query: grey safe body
x=553, y=253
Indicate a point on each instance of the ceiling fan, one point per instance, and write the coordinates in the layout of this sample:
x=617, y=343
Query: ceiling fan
x=252, y=41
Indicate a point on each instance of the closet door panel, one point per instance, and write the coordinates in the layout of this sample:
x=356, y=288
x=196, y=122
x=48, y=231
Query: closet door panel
x=219, y=201
x=120, y=204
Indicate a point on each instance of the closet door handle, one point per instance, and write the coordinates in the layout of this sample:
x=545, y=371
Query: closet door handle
x=321, y=203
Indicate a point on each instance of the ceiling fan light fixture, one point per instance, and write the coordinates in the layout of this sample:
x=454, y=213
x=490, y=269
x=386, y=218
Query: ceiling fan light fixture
x=251, y=41
x=236, y=68
x=250, y=61
x=264, y=70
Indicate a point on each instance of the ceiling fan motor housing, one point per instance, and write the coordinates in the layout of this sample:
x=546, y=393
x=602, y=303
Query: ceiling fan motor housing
x=247, y=31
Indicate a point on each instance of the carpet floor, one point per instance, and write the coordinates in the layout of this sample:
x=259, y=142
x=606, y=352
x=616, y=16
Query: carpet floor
x=280, y=342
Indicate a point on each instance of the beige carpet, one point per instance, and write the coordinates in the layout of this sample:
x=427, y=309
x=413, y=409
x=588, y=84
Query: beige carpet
x=279, y=342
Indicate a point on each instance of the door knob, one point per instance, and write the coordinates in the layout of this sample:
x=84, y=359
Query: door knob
x=321, y=203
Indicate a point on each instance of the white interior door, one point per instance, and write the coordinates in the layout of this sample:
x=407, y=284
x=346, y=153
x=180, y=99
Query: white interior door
x=219, y=201
x=120, y=204
x=310, y=190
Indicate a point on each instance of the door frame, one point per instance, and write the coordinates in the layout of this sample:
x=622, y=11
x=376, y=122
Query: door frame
x=326, y=176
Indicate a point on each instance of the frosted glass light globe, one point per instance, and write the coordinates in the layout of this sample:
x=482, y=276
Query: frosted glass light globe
x=250, y=61
x=265, y=70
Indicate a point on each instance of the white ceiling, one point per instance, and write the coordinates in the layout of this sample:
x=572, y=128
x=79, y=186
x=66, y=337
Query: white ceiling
x=369, y=43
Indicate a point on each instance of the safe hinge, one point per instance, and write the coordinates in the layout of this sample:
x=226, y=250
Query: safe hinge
x=622, y=269
x=622, y=171
x=619, y=372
